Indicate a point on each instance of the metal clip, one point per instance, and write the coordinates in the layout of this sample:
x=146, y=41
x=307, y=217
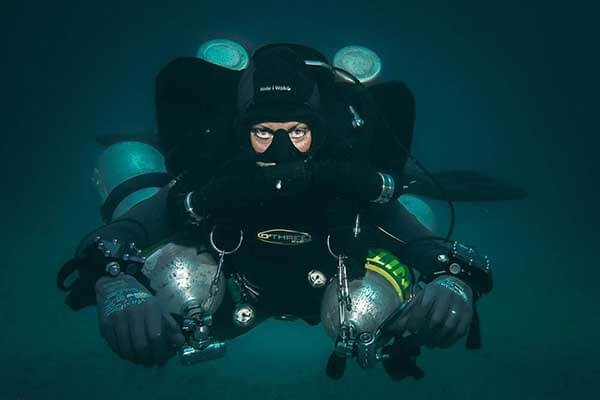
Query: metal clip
x=356, y=230
x=345, y=343
x=244, y=314
x=214, y=288
x=357, y=121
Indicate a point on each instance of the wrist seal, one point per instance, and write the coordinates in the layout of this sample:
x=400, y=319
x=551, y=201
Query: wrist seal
x=387, y=189
x=193, y=217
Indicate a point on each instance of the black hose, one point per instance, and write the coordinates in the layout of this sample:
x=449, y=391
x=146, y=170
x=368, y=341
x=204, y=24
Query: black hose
x=403, y=148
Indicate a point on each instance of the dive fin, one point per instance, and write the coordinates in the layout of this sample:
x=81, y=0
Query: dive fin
x=462, y=185
x=336, y=366
x=402, y=361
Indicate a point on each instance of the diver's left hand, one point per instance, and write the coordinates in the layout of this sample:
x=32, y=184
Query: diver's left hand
x=440, y=314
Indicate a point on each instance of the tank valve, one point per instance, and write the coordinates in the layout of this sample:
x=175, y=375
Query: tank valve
x=200, y=344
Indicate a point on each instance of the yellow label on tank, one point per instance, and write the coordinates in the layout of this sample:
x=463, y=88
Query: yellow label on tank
x=393, y=270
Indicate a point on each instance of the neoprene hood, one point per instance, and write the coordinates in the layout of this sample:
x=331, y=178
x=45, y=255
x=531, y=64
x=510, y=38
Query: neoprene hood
x=275, y=88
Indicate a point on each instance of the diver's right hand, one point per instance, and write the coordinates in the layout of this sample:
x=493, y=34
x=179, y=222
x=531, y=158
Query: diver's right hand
x=133, y=323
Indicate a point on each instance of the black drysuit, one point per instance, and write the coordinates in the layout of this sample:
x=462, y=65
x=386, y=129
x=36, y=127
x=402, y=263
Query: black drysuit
x=277, y=272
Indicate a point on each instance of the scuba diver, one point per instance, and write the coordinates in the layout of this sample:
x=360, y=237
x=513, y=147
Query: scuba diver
x=291, y=214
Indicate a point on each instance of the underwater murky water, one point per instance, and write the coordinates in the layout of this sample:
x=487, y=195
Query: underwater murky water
x=506, y=89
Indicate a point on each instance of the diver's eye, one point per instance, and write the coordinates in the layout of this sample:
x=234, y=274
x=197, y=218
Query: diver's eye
x=261, y=133
x=298, y=133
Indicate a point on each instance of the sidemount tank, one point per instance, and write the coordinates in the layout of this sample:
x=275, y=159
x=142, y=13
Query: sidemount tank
x=373, y=299
x=420, y=208
x=182, y=276
x=127, y=173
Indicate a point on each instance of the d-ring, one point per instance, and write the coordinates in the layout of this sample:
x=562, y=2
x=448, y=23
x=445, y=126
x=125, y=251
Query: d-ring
x=214, y=246
x=331, y=251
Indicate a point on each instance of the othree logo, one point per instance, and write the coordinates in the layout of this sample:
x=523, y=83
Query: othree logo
x=280, y=88
x=284, y=237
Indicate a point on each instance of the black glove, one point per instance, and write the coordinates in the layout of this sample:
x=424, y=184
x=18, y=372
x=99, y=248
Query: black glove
x=241, y=188
x=256, y=184
x=348, y=179
x=133, y=323
x=440, y=314
x=227, y=193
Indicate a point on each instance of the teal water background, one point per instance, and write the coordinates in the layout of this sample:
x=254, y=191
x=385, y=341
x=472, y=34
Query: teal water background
x=510, y=89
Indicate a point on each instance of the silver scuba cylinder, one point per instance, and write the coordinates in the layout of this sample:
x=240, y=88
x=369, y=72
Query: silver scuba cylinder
x=421, y=208
x=373, y=300
x=123, y=162
x=361, y=62
x=187, y=282
x=384, y=289
x=181, y=276
x=225, y=53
